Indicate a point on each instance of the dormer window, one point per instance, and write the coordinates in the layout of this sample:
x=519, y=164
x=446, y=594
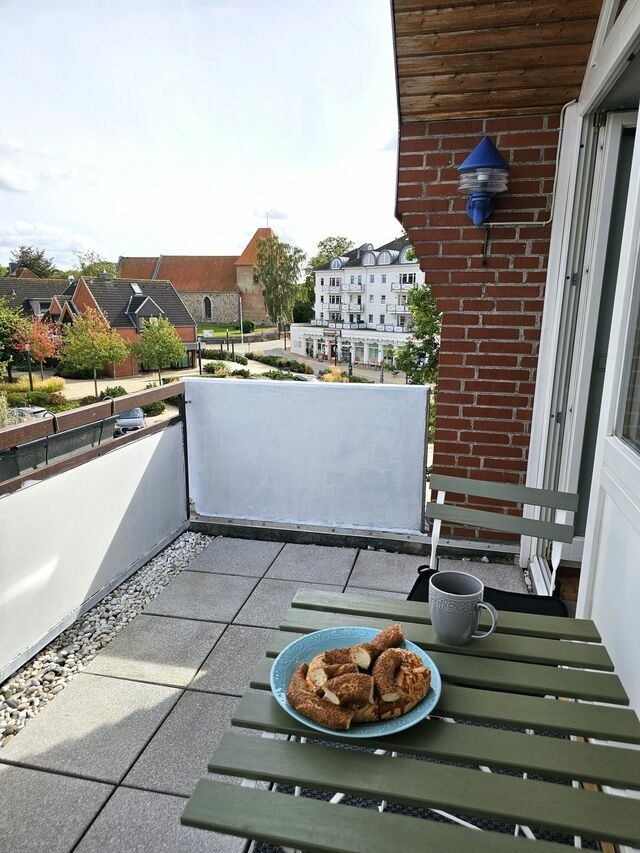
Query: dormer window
x=384, y=258
x=336, y=264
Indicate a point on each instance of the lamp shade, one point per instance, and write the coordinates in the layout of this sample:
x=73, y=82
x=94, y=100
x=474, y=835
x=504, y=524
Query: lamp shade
x=483, y=174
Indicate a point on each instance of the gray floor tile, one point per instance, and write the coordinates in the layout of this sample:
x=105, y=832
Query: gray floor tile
x=499, y=575
x=313, y=563
x=250, y=557
x=141, y=821
x=177, y=756
x=200, y=595
x=382, y=570
x=160, y=649
x=95, y=727
x=233, y=661
x=45, y=812
x=271, y=599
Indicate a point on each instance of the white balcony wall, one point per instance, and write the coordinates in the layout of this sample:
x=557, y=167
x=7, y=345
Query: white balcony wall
x=65, y=542
x=309, y=454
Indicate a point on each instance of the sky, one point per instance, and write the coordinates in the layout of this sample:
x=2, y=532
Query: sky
x=147, y=127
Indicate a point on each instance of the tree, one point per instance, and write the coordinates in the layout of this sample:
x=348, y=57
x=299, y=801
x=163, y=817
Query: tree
x=91, y=263
x=41, y=338
x=277, y=271
x=35, y=261
x=159, y=345
x=11, y=320
x=419, y=357
x=3, y=271
x=89, y=344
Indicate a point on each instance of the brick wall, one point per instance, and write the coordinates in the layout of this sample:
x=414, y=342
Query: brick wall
x=491, y=313
x=225, y=307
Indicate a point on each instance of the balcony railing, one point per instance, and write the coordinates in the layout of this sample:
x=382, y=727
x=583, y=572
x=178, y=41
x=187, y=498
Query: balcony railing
x=352, y=306
x=331, y=288
x=403, y=287
x=397, y=309
x=352, y=288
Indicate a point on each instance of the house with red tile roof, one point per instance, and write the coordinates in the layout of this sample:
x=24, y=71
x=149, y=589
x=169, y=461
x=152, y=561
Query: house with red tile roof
x=213, y=287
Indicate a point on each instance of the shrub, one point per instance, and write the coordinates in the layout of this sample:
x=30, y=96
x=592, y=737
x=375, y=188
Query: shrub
x=216, y=368
x=281, y=363
x=55, y=383
x=279, y=375
x=360, y=379
x=113, y=391
x=248, y=326
x=38, y=398
x=172, y=401
x=74, y=373
x=242, y=373
x=7, y=418
x=16, y=398
x=223, y=355
x=88, y=400
x=152, y=409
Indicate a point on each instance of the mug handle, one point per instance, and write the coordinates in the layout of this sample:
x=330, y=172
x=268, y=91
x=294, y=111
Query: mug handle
x=494, y=620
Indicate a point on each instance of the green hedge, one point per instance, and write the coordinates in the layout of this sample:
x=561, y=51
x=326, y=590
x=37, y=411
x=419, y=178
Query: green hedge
x=152, y=409
x=113, y=391
x=223, y=355
x=279, y=375
x=216, y=368
x=281, y=363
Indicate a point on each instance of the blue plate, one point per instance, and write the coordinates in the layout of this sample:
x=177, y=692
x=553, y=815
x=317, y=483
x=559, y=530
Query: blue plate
x=307, y=647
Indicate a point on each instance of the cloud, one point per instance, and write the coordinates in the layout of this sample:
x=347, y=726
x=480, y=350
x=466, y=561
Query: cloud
x=22, y=167
x=13, y=179
x=57, y=241
x=392, y=144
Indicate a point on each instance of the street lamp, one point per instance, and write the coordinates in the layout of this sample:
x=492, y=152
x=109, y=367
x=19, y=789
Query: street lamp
x=27, y=349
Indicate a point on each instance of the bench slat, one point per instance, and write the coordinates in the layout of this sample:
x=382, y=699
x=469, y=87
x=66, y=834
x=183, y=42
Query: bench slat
x=505, y=492
x=525, y=624
x=316, y=825
x=470, y=791
x=498, y=521
x=501, y=646
x=471, y=744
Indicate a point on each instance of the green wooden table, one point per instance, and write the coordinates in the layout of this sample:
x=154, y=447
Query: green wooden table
x=547, y=683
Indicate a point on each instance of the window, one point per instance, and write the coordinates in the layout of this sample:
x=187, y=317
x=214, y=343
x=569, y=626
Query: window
x=359, y=279
x=321, y=297
x=408, y=278
x=384, y=278
x=353, y=279
x=206, y=306
x=372, y=279
x=382, y=319
x=631, y=417
x=334, y=298
x=336, y=264
x=371, y=297
x=371, y=318
x=383, y=298
x=334, y=281
x=321, y=282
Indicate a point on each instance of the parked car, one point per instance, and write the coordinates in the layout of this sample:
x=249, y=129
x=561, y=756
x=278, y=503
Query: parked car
x=38, y=412
x=130, y=421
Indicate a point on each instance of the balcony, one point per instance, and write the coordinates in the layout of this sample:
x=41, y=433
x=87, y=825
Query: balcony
x=331, y=288
x=397, y=309
x=403, y=287
x=352, y=306
x=352, y=288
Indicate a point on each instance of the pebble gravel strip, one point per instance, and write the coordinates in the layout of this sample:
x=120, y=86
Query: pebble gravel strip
x=34, y=685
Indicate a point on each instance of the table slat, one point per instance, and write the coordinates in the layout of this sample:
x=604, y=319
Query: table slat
x=519, y=677
x=502, y=646
x=524, y=624
x=558, y=807
x=318, y=826
x=550, y=756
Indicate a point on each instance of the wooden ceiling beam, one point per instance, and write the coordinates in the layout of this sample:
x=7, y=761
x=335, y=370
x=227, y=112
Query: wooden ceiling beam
x=506, y=101
x=461, y=83
x=553, y=56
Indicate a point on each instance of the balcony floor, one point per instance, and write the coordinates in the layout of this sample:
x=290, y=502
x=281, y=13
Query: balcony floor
x=111, y=761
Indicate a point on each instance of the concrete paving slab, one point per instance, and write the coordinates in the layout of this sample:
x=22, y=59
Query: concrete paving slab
x=504, y=576
x=313, y=563
x=271, y=599
x=96, y=727
x=177, y=756
x=143, y=821
x=251, y=557
x=233, y=660
x=383, y=570
x=201, y=595
x=158, y=649
x=45, y=812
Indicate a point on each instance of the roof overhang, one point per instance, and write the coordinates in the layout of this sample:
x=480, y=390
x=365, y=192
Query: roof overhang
x=470, y=58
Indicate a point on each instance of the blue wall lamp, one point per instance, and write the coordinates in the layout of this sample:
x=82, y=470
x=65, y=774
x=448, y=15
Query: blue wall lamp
x=482, y=175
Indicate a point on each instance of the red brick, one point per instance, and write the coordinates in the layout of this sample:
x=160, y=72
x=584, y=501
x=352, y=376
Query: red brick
x=450, y=126
x=540, y=138
x=410, y=161
x=410, y=191
x=515, y=123
x=500, y=414
x=424, y=175
x=500, y=319
x=413, y=128
x=514, y=373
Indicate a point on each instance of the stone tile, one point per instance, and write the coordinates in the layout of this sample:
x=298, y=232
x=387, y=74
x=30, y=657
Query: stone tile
x=159, y=649
x=95, y=727
x=313, y=563
x=508, y=577
x=45, y=812
x=271, y=599
x=200, y=595
x=178, y=754
x=143, y=821
x=233, y=661
x=250, y=557
x=383, y=570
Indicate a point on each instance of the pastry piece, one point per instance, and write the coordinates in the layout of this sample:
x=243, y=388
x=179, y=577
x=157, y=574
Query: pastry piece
x=401, y=680
x=319, y=672
x=354, y=688
x=391, y=636
x=367, y=713
x=362, y=655
x=384, y=674
x=320, y=710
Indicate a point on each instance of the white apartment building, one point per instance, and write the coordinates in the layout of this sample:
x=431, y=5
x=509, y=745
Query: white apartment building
x=361, y=305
